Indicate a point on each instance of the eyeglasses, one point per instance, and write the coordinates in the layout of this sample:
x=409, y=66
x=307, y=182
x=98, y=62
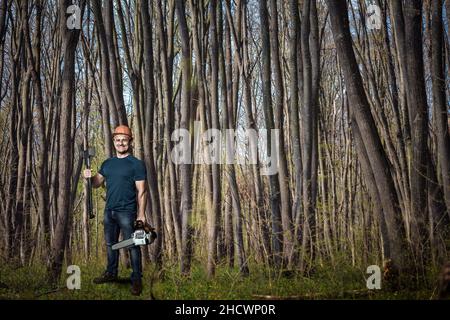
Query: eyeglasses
x=121, y=140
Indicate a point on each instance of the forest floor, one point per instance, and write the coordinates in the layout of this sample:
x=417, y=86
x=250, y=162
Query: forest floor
x=324, y=283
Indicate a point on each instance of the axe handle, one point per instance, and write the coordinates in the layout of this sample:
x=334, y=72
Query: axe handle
x=90, y=207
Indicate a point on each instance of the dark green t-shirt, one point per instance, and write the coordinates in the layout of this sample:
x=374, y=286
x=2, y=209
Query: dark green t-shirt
x=121, y=175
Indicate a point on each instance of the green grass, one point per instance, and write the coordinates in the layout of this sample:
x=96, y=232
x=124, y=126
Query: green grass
x=325, y=283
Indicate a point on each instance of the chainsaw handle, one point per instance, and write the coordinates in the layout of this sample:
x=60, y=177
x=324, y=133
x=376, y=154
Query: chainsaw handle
x=138, y=224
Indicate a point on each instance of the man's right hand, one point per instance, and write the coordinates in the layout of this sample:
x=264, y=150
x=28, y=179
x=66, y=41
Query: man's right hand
x=87, y=173
x=97, y=179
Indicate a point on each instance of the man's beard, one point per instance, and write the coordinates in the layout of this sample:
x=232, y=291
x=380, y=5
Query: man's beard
x=123, y=152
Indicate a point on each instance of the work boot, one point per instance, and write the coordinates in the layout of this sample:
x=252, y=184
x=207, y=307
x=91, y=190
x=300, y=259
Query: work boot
x=136, y=287
x=105, y=277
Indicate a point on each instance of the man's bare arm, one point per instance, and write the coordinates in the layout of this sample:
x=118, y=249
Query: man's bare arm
x=96, y=180
x=141, y=187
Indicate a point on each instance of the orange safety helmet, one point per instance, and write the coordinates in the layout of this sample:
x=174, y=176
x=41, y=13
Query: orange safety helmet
x=122, y=129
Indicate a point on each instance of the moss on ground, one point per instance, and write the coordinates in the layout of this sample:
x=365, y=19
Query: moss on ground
x=324, y=283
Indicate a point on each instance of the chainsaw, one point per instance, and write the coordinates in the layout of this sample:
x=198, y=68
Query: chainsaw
x=143, y=235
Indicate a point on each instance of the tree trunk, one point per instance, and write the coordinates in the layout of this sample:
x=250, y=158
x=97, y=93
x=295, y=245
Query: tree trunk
x=70, y=41
x=107, y=91
x=439, y=101
x=264, y=240
x=372, y=144
x=283, y=174
x=417, y=105
x=40, y=130
x=230, y=169
x=213, y=216
x=3, y=15
x=87, y=193
x=398, y=22
x=294, y=115
x=277, y=235
x=148, y=132
x=169, y=124
x=315, y=85
x=13, y=163
x=186, y=168
x=116, y=82
x=307, y=132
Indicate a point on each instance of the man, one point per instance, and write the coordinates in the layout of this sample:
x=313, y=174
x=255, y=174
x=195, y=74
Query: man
x=125, y=203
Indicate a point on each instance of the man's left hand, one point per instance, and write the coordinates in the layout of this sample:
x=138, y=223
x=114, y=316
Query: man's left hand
x=142, y=219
